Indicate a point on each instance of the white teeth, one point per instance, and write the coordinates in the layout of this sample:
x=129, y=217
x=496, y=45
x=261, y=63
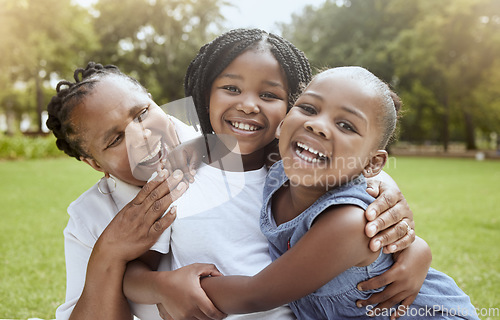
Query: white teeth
x=303, y=157
x=152, y=154
x=311, y=150
x=244, y=126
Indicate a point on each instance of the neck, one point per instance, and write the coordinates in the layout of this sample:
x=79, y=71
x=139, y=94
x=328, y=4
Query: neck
x=224, y=159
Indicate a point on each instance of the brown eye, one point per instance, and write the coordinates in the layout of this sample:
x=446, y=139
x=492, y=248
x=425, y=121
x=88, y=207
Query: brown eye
x=307, y=108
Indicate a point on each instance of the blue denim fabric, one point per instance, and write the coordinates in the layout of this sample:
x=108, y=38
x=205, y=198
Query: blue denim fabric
x=439, y=298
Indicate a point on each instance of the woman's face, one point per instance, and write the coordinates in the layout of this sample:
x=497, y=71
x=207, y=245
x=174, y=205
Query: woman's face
x=123, y=130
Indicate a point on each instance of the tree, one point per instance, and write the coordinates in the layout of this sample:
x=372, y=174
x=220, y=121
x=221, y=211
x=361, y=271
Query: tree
x=434, y=53
x=156, y=40
x=39, y=37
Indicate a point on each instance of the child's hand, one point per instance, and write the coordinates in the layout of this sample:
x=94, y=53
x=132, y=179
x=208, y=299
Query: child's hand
x=403, y=280
x=182, y=296
x=390, y=219
x=186, y=157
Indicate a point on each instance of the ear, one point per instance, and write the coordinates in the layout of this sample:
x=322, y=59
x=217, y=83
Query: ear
x=376, y=164
x=92, y=163
x=278, y=130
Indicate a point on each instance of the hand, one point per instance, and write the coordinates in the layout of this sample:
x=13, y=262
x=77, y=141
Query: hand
x=182, y=295
x=187, y=156
x=403, y=280
x=385, y=214
x=139, y=224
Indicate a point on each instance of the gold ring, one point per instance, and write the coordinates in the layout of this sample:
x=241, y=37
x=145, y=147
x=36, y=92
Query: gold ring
x=408, y=228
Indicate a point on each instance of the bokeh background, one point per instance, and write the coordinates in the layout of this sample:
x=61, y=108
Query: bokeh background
x=442, y=57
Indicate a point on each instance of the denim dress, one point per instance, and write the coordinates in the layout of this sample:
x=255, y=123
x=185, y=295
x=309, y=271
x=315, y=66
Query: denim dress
x=439, y=297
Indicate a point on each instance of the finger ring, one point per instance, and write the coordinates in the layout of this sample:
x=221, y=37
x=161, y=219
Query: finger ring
x=408, y=228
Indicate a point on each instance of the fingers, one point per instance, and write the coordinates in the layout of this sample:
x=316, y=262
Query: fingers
x=160, y=225
x=393, y=239
x=403, y=307
x=373, y=188
x=207, y=269
x=376, y=282
x=161, y=197
x=402, y=243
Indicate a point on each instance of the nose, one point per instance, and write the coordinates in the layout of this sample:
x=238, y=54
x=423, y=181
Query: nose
x=318, y=127
x=137, y=133
x=248, y=105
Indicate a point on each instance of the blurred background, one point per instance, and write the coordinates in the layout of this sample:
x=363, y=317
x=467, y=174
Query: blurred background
x=442, y=58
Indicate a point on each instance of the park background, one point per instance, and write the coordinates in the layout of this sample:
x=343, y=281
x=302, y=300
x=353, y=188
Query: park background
x=442, y=57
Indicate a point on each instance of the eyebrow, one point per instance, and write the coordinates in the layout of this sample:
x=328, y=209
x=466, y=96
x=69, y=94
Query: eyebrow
x=238, y=77
x=354, y=112
x=345, y=108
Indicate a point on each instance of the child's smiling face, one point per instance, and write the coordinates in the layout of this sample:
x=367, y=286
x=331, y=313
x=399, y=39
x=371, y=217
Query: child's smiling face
x=248, y=100
x=331, y=133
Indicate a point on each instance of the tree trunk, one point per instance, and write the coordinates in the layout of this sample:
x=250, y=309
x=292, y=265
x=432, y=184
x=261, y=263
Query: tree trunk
x=470, y=136
x=39, y=100
x=446, y=124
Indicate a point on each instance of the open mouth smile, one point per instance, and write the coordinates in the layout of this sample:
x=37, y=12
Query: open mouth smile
x=154, y=157
x=308, y=153
x=244, y=126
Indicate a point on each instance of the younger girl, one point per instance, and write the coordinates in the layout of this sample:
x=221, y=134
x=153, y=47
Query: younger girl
x=313, y=212
x=242, y=84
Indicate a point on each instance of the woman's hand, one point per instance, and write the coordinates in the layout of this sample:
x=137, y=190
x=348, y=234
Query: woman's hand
x=403, y=280
x=390, y=219
x=131, y=233
x=139, y=224
x=182, y=296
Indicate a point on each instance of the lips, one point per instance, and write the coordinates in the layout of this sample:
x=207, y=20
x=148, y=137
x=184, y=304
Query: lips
x=309, y=153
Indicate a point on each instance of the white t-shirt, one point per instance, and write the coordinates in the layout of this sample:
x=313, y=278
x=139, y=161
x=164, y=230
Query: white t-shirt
x=226, y=235
x=218, y=222
x=89, y=215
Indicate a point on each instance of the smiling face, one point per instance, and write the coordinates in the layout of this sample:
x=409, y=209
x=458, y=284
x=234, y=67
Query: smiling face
x=123, y=130
x=248, y=100
x=330, y=135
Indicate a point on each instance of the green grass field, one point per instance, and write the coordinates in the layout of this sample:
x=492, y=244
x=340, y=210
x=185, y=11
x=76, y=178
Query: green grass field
x=455, y=202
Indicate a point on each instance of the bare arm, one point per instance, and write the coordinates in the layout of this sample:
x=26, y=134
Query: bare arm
x=307, y=266
x=177, y=293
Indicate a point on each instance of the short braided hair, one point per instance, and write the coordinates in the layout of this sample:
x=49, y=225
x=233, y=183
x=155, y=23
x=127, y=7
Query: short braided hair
x=216, y=55
x=69, y=95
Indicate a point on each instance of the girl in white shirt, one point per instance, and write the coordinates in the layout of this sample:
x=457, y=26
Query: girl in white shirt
x=242, y=84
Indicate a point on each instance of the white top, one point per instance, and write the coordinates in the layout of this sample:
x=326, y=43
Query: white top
x=218, y=222
x=227, y=234
x=89, y=215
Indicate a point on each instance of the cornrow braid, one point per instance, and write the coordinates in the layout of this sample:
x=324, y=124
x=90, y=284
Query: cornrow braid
x=216, y=55
x=69, y=95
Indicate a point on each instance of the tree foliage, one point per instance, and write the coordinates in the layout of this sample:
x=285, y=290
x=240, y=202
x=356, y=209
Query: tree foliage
x=438, y=55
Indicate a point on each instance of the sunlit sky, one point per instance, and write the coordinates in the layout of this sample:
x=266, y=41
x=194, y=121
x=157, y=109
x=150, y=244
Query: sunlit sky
x=262, y=14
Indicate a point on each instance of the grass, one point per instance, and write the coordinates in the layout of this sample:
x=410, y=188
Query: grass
x=34, y=195
x=455, y=204
x=456, y=208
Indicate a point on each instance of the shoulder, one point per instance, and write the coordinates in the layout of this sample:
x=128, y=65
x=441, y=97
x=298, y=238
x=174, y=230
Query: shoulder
x=89, y=215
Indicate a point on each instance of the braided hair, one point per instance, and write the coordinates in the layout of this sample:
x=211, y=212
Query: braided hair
x=69, y=95
x=216, y=55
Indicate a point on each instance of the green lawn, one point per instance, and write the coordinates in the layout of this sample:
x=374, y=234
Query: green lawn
x=455, y=203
